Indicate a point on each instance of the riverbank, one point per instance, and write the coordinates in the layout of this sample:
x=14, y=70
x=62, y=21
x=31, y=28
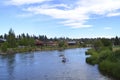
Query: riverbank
x=108, y=61
x=34, y=48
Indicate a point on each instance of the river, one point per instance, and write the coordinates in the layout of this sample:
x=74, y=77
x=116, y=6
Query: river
x=48, y=65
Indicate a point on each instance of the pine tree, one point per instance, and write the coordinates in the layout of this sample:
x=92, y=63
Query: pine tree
x=117, y=41
x=11, y=39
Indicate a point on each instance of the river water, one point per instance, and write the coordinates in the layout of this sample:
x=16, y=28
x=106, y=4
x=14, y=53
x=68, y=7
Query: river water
x=48, y=65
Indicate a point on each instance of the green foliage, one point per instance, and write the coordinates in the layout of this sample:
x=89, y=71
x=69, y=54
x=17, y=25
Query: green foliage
x=117, y=53
x=109, y=61
x=97, y=57
x=106, y=43
x=104, y=54
x=98, y=45
x=26, y=42
x=43, y=38
x=93, y=59
x=90, y=51
x=11, y=39
x=4, y=47
x=62, y=44
x=31, y=42
x=115, y=57
x=110, y=68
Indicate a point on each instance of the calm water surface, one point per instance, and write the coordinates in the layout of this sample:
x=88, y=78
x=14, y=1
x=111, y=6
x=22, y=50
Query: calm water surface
x=48, y=65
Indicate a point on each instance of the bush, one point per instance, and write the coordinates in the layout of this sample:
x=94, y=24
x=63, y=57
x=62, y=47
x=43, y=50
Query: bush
x=109, y=61
x=104, y=54
x=110, y=68
x=89, y=52
x=93, y=59
x=114, y=57
x=4, y=47
x=117, y=53
x=98, y=45
x=62, y=44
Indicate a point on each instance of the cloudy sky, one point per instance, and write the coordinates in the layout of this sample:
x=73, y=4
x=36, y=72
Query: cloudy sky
x=61, y=18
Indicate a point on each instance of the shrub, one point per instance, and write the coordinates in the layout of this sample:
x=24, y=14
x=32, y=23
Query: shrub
x=110, y=68
x=117, y=53
x=98, y=45
x=104, y=54
x=114, y=57
x=4, y=47
x=89, y=52
x=93, y=59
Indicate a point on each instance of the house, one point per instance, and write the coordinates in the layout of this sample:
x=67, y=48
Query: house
x=2, y=40
x=71, y=42
x=39, y=43
x=51, y=43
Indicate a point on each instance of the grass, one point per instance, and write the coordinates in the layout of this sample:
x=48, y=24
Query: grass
x=34, y=48
x=116, y=48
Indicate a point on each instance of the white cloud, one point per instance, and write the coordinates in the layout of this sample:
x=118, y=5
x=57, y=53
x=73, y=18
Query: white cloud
x=24, y=15
x=114, y=14
x=100, y=6
x=107, y=28
x=77, y=16
x=55, y=5
x=70, y=17
x=24, y=2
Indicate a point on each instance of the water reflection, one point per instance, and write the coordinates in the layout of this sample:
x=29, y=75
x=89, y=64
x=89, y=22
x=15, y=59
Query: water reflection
x=8, y=62
x=25, y=58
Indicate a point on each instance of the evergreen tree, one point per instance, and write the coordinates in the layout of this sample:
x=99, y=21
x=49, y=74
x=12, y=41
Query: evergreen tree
x=26, y=40
x=117, y=41
x=5, y=36
x=1, y=36
x=11, y=39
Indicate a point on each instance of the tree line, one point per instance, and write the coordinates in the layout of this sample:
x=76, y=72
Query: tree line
x=13, y=40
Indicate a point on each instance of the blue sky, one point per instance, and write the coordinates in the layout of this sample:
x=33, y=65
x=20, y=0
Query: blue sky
x=61, y=18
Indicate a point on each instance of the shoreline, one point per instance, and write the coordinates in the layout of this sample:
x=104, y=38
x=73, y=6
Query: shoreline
x=32, y=49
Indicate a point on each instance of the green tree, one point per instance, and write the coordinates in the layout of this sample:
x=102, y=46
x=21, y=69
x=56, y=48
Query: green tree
x=25, y=40
x=11, y=39
x=62, y=44
x=106, y=43
x=4, y=47
x=98, y=45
